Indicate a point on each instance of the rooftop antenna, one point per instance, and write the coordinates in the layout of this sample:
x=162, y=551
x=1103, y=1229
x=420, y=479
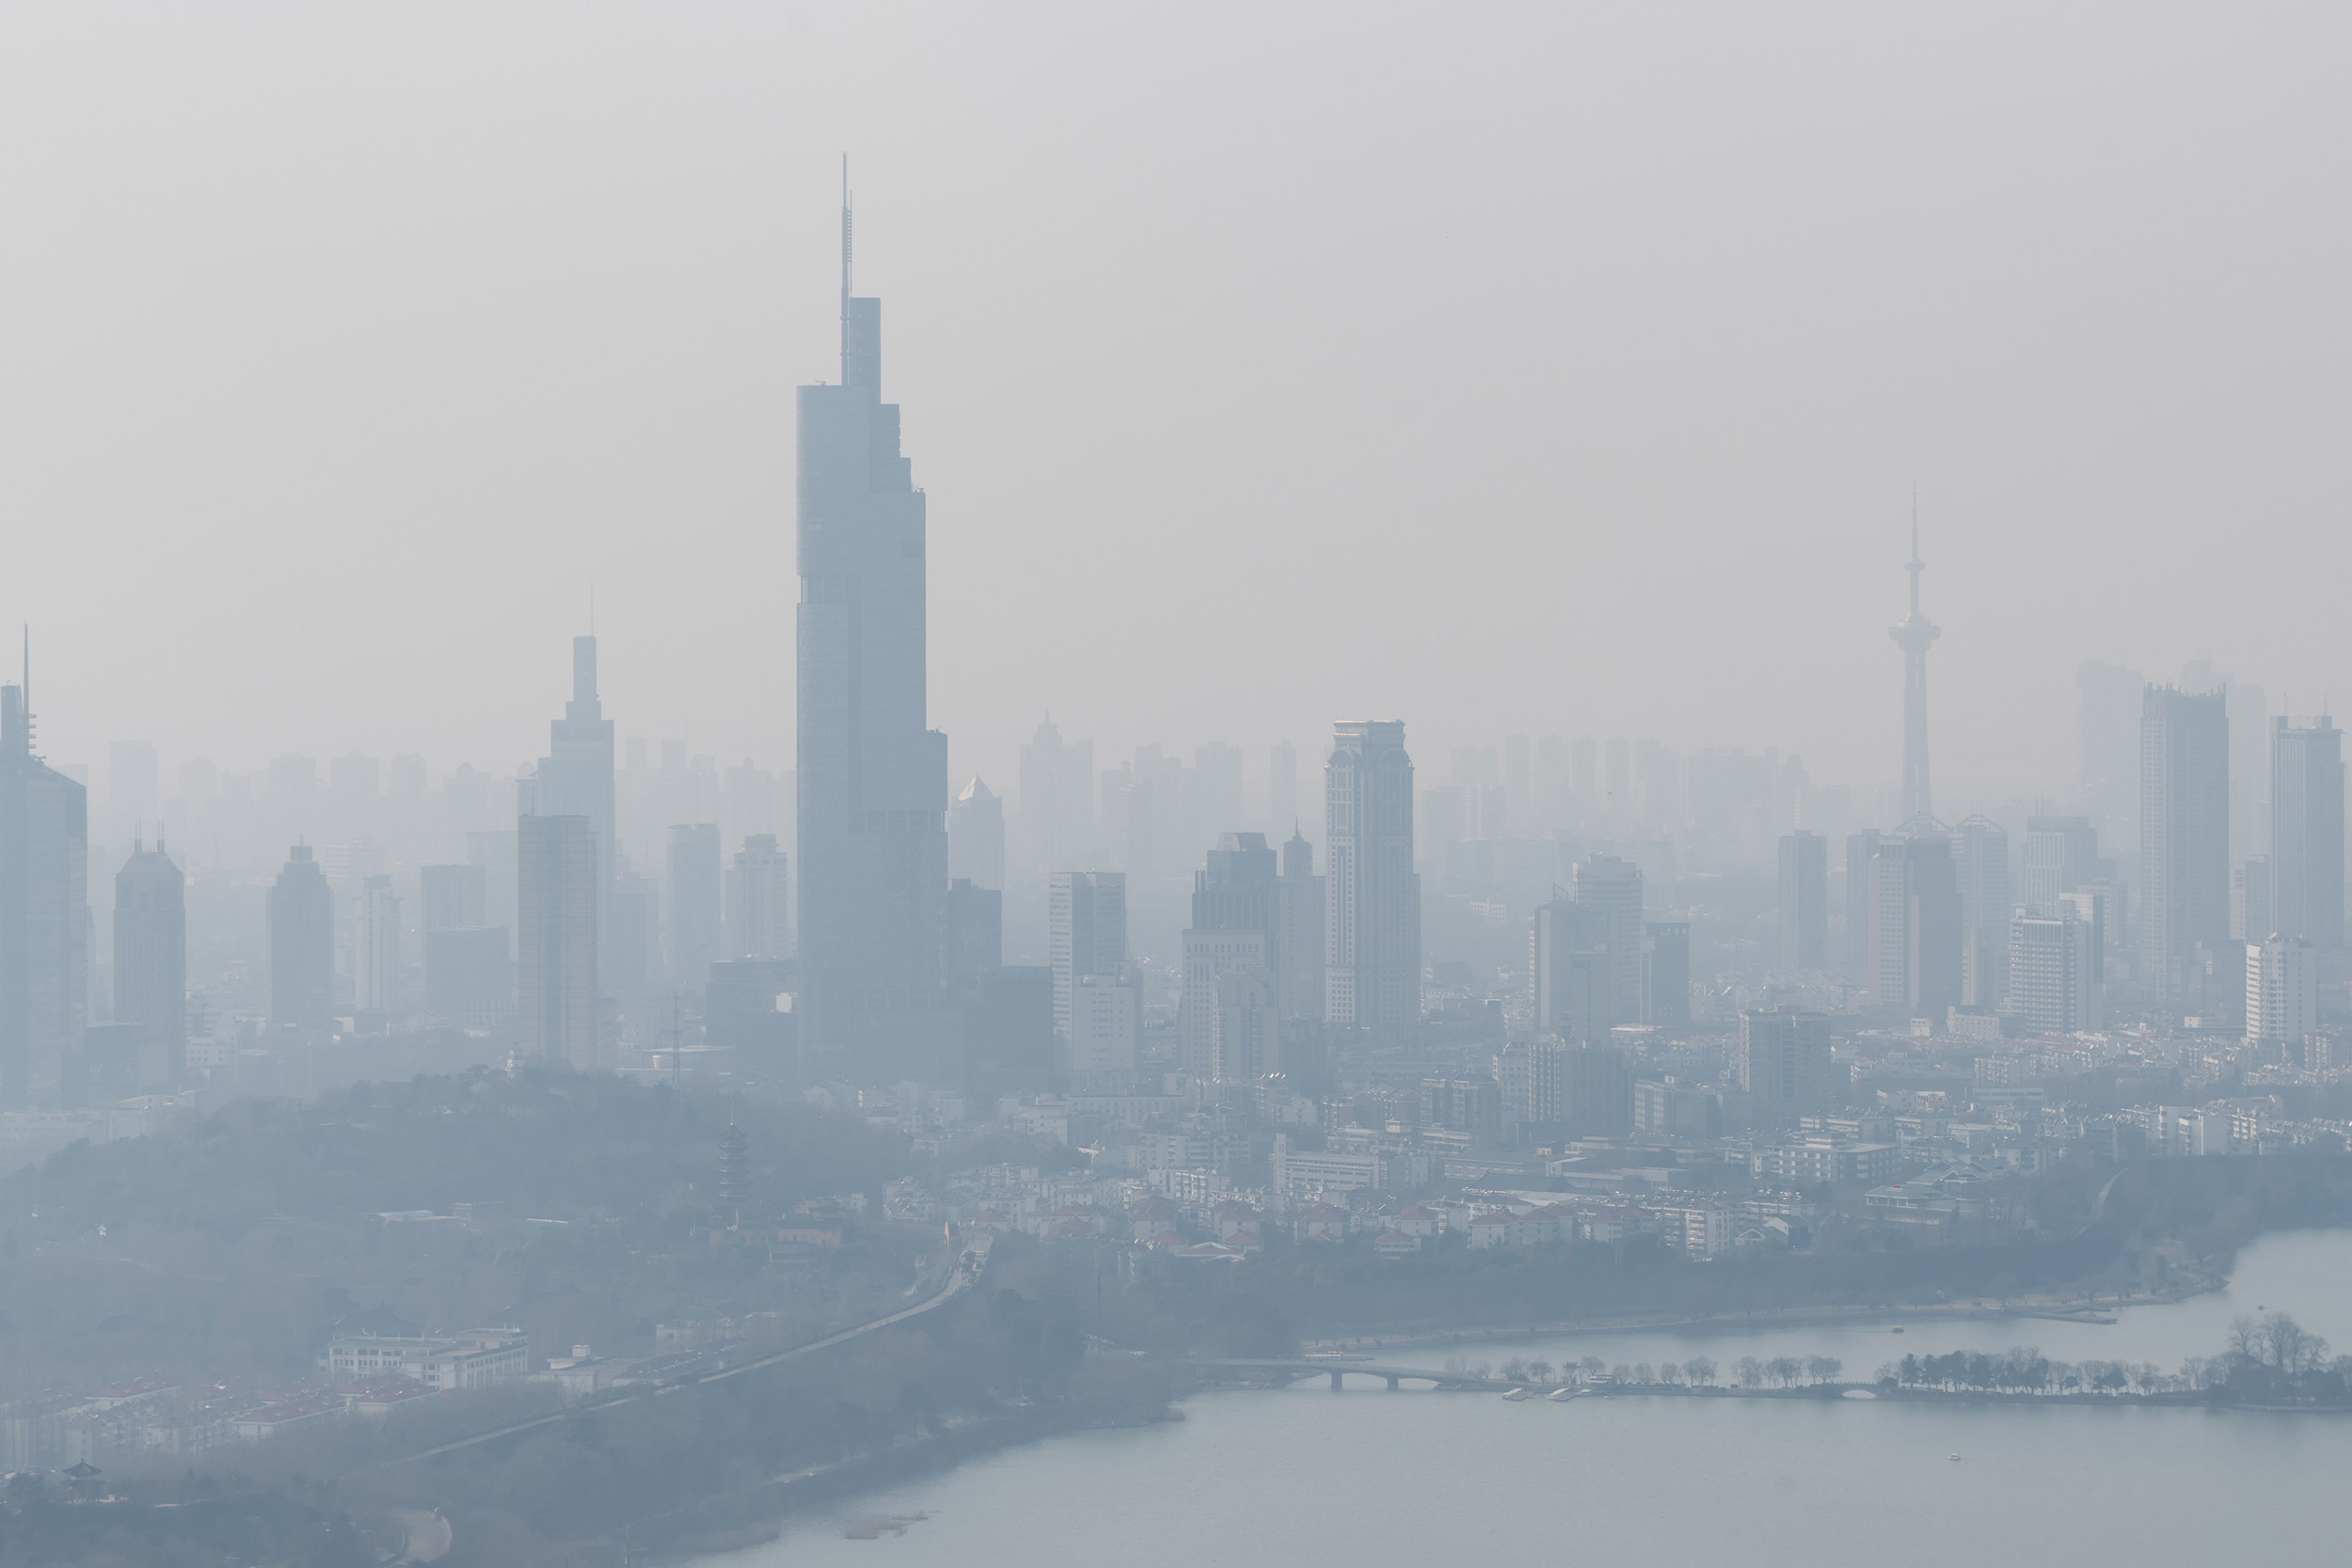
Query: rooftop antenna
x=1916, y=565
x=845, y=269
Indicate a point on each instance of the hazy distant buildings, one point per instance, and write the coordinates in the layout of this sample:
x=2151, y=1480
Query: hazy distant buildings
x=150, y=961
x=1915, y=935
x=575, y=778
x=1861, y=900
x=1803, y=901
x=454, y=896
x=2184, y=839
x=1571, y=974
x=375, y=946
x=557, y=1016
x=2307, y=833
x=2253, y=915
x=1372, y=934
x=1606, y=892
x=301, y=946
x=1085, y=936
x=1666, y=973
x=2062, y=853
x=696, y=902
x=1226, y=1014
x=44, y=913
x=2053, y=972
x=1282, y=787
x=1914, y=635
x=1980, y=870
x=2112, y=699
x=873, y=775
x=2281, y=990
x=972, y=919
x=1781, y=1059
x=470, y=978
x=1056, y=817
x=976, y=836
x=1299, y=913
x=759, y=901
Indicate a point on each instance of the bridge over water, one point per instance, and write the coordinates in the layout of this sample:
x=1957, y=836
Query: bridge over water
x=1337, y=1370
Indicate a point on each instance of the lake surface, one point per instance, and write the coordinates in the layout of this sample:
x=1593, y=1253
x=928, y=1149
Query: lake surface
x=1364, y=1479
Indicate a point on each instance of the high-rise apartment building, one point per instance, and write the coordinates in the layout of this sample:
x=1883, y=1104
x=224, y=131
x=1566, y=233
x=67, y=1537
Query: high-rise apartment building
x=873, y=774
x=1226, y=1014
x=2307, y=832
x=301, y=946
x=1981, y=868
x=1783, y=1060
x=151, y=961
x=1861, y=902
x=1372, y=931
x=2253, y=915
x=1570, y=971
x=376, y=947
x=696, y=902
x=1666, y=973
x=1803, y=901
x=2062, y=853
x=2053, y=972
x=44, y=913
x=1056, y=814
x=759, y=904
x=1608, y=889
x=976, y=836
x=2184, y=839
x=1915, y=924
x=1086, y=935
x=2281, y=990
x=557, y=1015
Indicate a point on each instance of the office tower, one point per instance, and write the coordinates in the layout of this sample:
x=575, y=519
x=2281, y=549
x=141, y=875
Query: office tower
x=496, y=852
x=133, y=788
x=556, y=942
x=873, y=774
x=695, y=901
x=151, y=961
x=1086, y=933
x=1298, y=930
x=1783, y=1060
x=1570, y=970
x=454, y=896
x=973, y=920
x=1861, y=900
x=1103, y=1024
x=1666, y=973
x=575, y=778
x=1803, y=901
x=1056, y=815
x=2184, y=838
x=1609, y=891
x=2307, y=832
x=2253, y=915
x=1226, y=1013
x=470, y=978
x=1238, y=889
x=1283, y=786
x=1915, y=924
x=1372, y=927
x=2053, y=972
x=1980, y=867
x=301, y=946
x=2111, y=698
x=44, y=913
x=2247, y=708
x=759, y=901
x=2281, y=990
x=976, y=836
x=2061, y=854
x=375, y=946
x=1915, y=636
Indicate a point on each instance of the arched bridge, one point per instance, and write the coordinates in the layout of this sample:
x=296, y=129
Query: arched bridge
x=1337, y=1370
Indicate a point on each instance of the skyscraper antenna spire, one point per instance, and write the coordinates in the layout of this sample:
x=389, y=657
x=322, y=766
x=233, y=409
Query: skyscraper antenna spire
x=845, y=269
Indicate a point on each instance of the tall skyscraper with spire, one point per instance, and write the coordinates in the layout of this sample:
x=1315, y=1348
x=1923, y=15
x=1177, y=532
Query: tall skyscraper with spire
x=1915, y=636
x=44, y=915
x=575, y=779
x=873, y=774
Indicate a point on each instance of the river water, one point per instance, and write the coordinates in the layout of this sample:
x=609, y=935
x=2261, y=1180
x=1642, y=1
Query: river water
x=1365, y=1479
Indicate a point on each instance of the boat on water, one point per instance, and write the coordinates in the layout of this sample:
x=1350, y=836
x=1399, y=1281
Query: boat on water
x=1517, y=1393
x=1561, y=1396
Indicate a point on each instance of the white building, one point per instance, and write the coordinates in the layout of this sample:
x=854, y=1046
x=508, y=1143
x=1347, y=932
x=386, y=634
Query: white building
x=2281, y=990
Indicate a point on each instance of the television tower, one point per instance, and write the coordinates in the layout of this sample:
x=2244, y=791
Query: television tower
x=1914, y=636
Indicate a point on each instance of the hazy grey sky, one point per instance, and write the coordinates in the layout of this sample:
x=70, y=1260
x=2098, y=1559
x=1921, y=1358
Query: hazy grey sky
x=1493, y=368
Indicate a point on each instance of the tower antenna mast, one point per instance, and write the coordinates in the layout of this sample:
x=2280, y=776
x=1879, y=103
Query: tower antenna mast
x=845, y=269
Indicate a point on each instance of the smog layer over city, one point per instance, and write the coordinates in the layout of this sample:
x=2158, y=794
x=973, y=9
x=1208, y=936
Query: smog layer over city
x=1343, y=785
